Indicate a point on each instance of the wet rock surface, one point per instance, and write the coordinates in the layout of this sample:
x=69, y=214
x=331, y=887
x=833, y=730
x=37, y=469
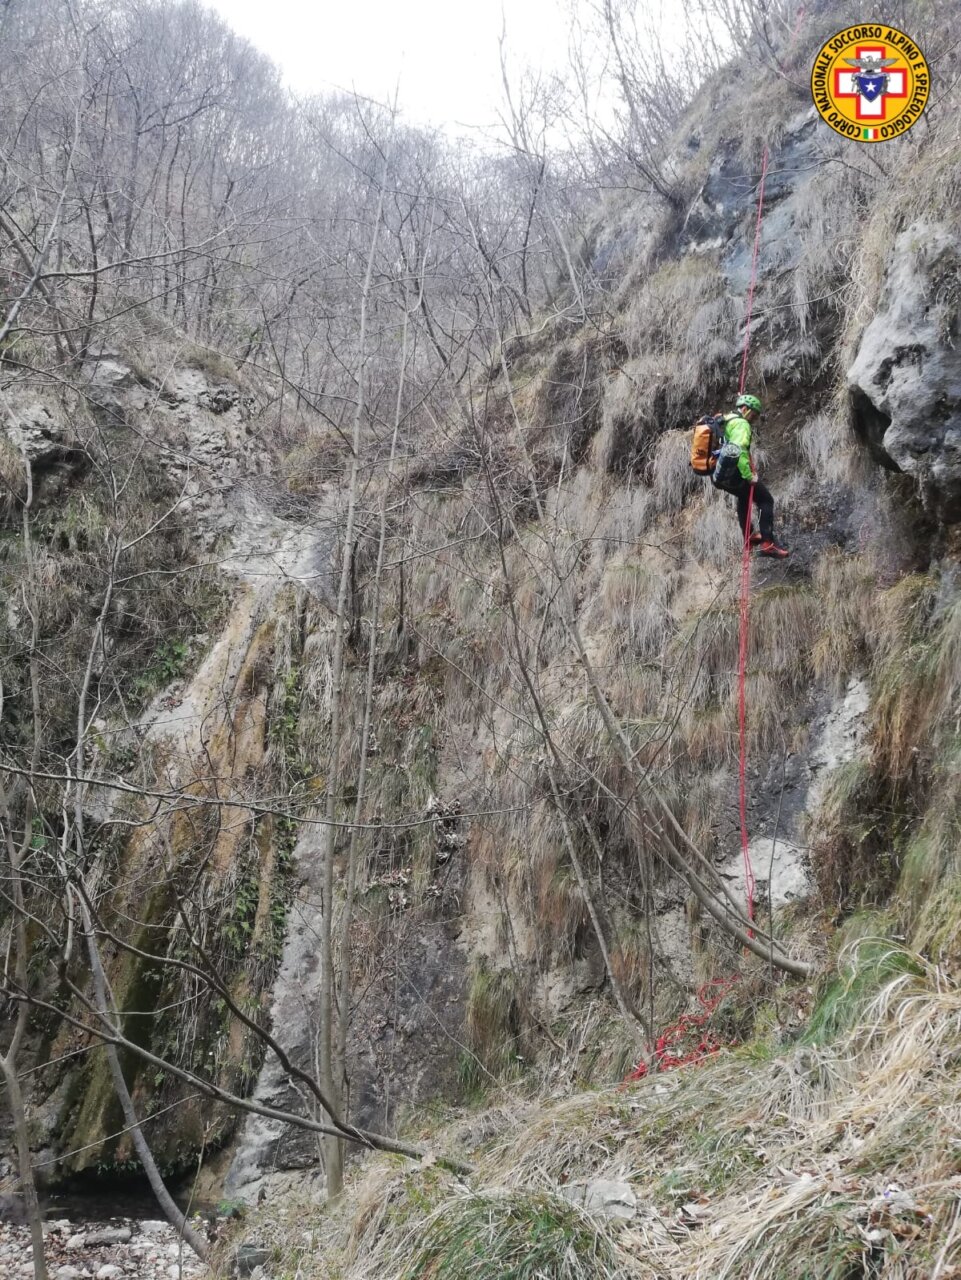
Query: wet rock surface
x=118, y=1250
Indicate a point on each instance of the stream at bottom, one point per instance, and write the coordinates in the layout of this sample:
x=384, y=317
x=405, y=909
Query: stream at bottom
x=106, y=1232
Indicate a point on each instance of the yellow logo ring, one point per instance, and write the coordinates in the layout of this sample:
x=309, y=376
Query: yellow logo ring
x=870, y=82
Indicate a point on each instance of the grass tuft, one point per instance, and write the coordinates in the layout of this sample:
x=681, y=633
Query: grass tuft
x=512, y=1235
x=864, y=968
x=493, y=1025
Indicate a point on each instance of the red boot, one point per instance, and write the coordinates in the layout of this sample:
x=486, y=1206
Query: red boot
x=773, y=549
x=755, y=540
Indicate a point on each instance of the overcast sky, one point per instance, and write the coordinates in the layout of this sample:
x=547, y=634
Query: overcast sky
x=446, y=54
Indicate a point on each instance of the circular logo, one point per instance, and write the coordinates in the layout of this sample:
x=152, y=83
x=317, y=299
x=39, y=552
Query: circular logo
x=870, y=82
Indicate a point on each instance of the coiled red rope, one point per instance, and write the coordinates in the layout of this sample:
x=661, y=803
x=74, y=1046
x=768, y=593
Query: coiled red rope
x=686, y=1041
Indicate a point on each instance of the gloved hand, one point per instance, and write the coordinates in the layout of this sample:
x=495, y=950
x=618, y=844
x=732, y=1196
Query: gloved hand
x=753, y=477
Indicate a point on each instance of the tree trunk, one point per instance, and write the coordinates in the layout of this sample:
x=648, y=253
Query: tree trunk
x=28, y=1186
x=145, y=1155
x=332, y=1084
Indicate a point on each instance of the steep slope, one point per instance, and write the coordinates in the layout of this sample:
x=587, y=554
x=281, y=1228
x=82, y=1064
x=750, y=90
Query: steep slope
x=536, y=854
x=832, y=1157
x=853, y=674
x=845, y=637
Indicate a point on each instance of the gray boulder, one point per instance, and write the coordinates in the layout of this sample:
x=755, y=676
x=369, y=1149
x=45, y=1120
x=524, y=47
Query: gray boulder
x=905, y=382
x=248, y=1258
x=36, y=434
x=605, y=1198
x=109, y=1235
x=46, y=443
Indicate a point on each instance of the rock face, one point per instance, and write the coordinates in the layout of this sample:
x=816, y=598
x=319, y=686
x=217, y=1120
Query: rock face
x=202, y=421
x=728, y=200
x=400, y=1035
x=905, y=382
x=45, y=442
x=199, y=420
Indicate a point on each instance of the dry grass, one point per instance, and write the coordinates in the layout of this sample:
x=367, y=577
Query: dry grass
x=829, y=1159
x=714, y=537
x=916, y=670
x=622, y=445
x=494, y=1023
x=825, y=444
x=783, y=624
x=614, y=525
x=853, y=840
x=680, y=329
x=634, y=602
x=892, y=819
x=510, y=1233
x=546, y=881
x=929, y=891
x=846, y=592
x=13, y=478
x=319, y=459
x=825, y=207
x=672, y=479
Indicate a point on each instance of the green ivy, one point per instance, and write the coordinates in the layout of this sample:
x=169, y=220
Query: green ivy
x=168, y=663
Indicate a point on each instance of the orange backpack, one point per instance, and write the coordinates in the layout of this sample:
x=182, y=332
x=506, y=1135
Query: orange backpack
x=707, y=440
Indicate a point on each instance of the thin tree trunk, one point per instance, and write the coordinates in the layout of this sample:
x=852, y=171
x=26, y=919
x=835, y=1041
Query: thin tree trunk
x=16, y=852
x=343, y=1012
x=109, y=1012
x=334, y=1147
x=104, y=1006
x=8, y=1067
x=625, y=1006
x=9, y=1061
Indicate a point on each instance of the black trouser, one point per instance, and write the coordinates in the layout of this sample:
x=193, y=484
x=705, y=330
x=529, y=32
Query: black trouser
x=763, y=504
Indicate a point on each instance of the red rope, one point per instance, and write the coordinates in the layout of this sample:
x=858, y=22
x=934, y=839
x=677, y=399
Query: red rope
x=749, y=881
x=667, y=1048
x=686, y=1042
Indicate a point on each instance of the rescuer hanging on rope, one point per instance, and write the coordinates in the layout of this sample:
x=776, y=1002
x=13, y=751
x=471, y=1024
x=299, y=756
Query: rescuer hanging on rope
x=735, y=474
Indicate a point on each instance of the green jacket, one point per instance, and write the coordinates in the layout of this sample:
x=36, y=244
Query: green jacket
x=737, y=430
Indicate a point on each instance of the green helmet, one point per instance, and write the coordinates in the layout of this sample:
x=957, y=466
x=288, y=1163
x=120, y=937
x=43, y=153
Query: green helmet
x=748, y=402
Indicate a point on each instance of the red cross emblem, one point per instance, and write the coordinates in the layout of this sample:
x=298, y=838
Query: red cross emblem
x=872, y=84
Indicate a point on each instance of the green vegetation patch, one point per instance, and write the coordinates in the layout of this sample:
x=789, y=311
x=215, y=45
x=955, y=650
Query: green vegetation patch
x=512, y=1236
x=870, y=965
x=494, y=1023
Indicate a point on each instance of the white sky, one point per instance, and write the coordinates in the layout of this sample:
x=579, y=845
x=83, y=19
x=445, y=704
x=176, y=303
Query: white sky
x=444, y=51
